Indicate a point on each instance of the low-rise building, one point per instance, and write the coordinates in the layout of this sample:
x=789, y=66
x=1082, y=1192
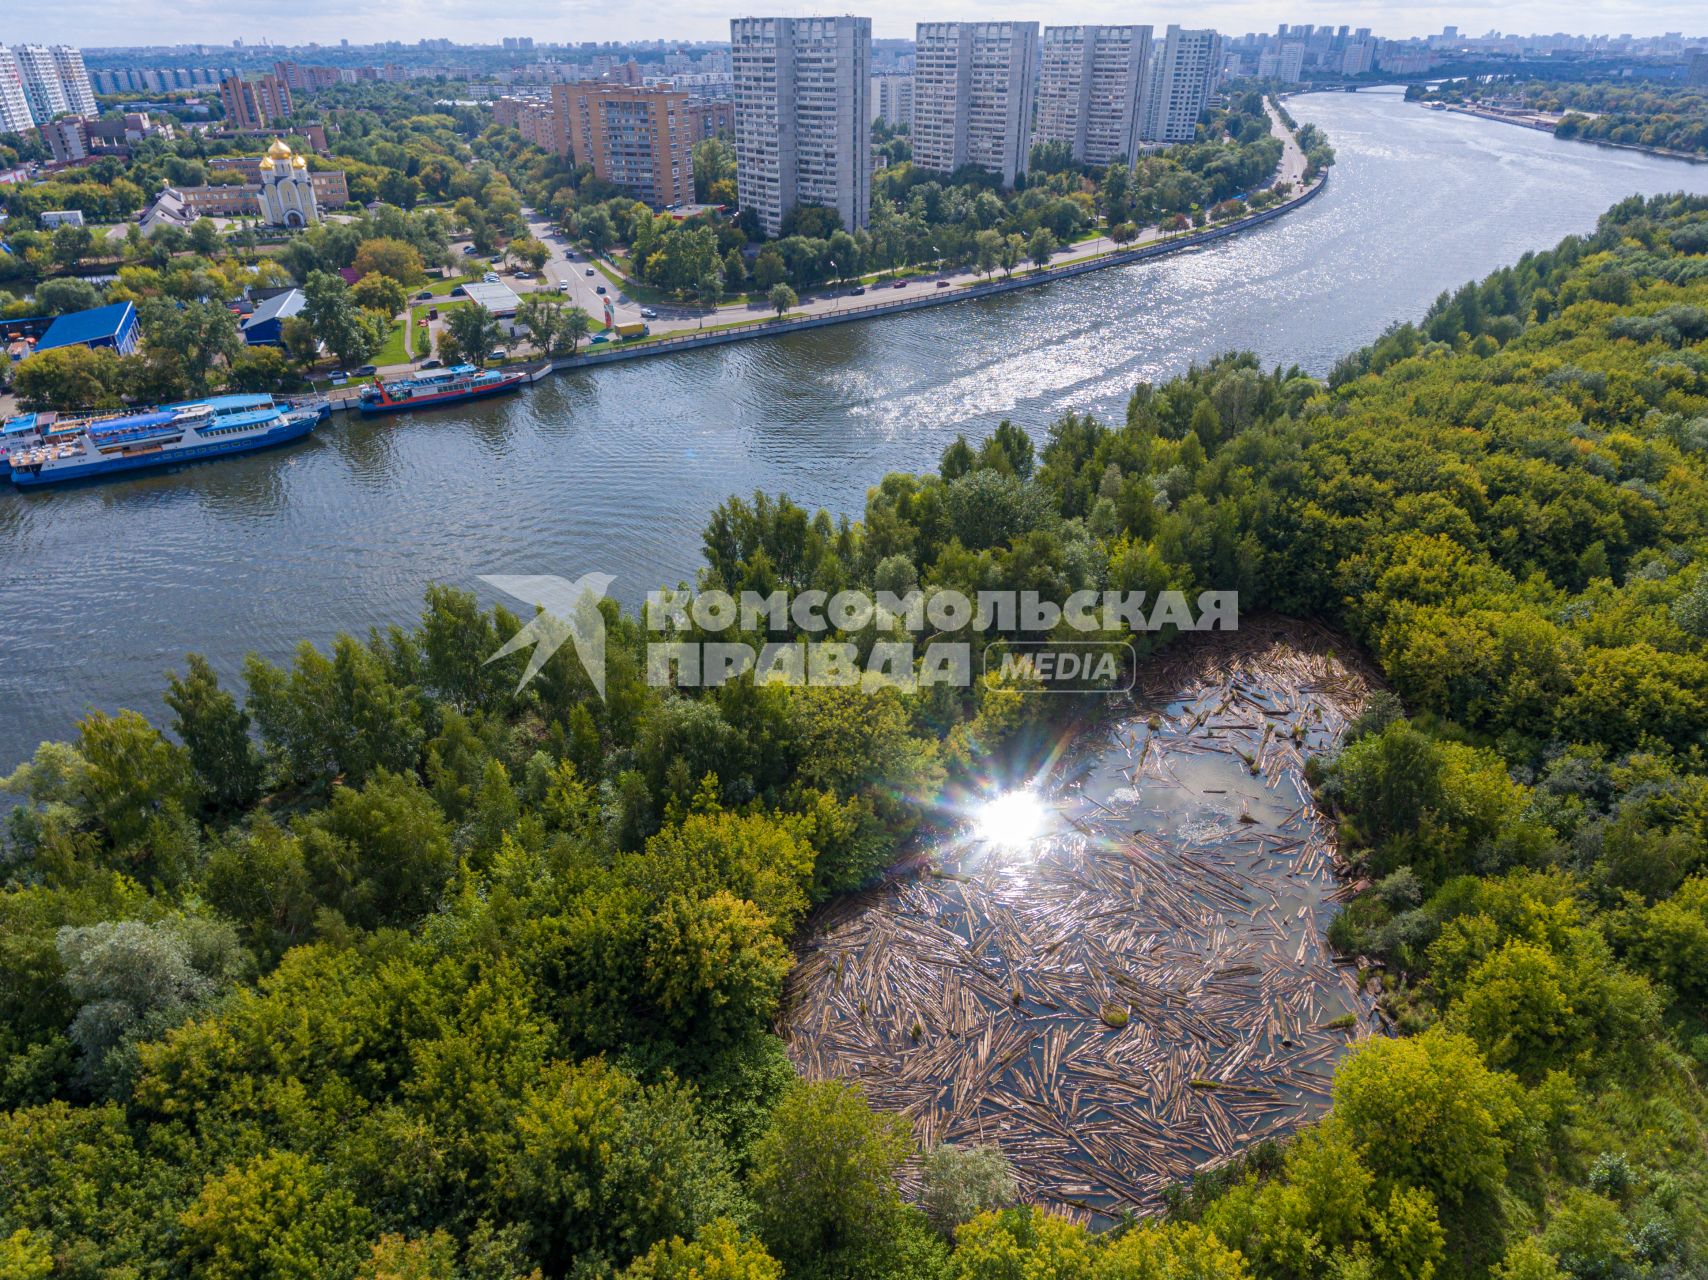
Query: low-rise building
x=62, y=218
x=499, y=299
x=265, y=325
x=113, y=326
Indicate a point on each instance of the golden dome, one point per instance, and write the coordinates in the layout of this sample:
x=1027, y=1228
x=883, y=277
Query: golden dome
x=279, y=151
x=298, y=162
x=267, y=165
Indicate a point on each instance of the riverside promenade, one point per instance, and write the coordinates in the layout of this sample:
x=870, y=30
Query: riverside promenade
x=931, y=296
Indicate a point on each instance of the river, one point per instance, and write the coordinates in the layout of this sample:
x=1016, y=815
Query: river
x=106, y=587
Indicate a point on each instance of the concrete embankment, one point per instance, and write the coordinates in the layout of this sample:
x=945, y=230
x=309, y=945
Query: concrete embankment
x=937, y=298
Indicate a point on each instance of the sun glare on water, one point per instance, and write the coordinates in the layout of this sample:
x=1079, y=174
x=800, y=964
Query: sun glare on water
x=1012, y=820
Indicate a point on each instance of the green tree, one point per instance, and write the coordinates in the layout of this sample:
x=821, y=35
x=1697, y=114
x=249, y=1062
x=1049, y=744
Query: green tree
x=379, y=293
x=1021, y=1242
x=350, y=333
x=70, y=378
x=823, y=1176
x=718, y=1252
x=390, y=257
x=1041, y=247
x=601, y=1168
x=781, y=298
x=474, y=330
x=134, y=776
x=1428, y=1112
x=715, y=968
x=215, y=732
x=275, y=1216
x=959, y=1183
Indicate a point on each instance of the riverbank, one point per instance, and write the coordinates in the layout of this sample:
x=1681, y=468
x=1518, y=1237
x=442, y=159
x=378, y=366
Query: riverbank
x=1542, y=122
x=772, y=328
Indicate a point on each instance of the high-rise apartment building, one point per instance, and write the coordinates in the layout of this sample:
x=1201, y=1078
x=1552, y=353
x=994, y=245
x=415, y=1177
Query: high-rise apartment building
x=802, y=116
x=74, y=79
x=1091, y=92
x=15, y=114
x=1696, y=73
x=640, y=139
x=892, y=100
x=41, y=82
x=973, y=84
x=1183, y=70
x=254, y=104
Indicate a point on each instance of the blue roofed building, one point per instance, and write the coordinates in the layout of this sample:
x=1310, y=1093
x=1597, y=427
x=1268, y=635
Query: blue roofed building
x=111, y=326
x=265, y=326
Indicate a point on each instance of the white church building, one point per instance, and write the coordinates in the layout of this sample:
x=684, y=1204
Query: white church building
x=287, y=190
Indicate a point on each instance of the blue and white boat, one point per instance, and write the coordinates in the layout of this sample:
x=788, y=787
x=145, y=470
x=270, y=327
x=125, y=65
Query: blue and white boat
x=169, y=436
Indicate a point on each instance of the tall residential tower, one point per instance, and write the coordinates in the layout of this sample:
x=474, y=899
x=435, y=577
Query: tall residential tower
x=1091, y=93
x=1182, y=73
x=972, y=96
x=803, y=116
x=15, y=114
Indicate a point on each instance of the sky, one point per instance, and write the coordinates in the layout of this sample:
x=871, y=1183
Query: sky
x=122, y=22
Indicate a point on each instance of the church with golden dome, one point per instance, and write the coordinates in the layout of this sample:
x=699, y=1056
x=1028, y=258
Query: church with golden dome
x=287, y=191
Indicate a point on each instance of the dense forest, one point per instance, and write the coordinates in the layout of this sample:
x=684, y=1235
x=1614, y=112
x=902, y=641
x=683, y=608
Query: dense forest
x=387, y=969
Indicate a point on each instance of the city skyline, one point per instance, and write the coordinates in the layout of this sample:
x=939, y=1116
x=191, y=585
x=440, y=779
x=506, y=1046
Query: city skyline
x=301, y=22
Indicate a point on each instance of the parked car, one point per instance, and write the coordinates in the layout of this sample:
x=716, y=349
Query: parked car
x=424, y=295
x=498, y=353
x=367, y=371
x=468, y=251
x=647, y=313
x=600, y=289
x=491, y=277
x=434, y=363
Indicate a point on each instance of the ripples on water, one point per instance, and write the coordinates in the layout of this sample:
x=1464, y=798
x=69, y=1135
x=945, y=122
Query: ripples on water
x=106, y=587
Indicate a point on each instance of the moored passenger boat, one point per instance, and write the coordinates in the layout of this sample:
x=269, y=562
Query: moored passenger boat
x=164, y=437
x=442, y=386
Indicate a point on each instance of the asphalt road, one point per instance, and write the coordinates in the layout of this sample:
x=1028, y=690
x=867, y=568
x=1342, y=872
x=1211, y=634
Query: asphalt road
x=570, y=274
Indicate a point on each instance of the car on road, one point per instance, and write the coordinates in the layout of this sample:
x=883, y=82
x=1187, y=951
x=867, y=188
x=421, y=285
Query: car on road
x=647, y=313
x=899, y=284
x=856, y=291
x=367, y=371
x=434, y=363
x=942, y=284
x=424, y=295
x=589, y=271
x=600, y=289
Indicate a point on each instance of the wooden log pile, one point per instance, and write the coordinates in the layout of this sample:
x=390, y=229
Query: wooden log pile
x=1145, y=989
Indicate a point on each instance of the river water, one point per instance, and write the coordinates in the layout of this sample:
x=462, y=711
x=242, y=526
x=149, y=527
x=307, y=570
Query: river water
x=104, y=588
